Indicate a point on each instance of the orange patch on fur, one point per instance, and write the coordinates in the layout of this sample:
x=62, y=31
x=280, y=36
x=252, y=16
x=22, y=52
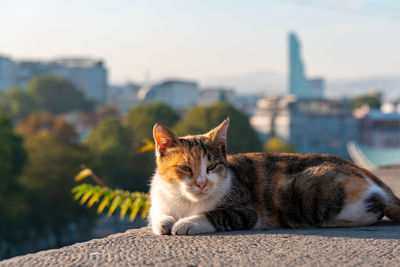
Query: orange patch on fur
x=355, y=188
x=281, y=165
x=168, y=167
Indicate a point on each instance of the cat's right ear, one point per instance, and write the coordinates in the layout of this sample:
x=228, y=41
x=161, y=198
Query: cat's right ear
x=164, y=139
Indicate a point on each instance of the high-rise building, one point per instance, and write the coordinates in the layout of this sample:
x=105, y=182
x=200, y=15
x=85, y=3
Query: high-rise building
x=299, y=85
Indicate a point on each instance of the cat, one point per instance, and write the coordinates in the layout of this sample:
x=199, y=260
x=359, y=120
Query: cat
x=197, y=188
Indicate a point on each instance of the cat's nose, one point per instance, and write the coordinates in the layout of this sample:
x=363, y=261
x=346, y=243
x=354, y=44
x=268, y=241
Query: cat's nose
x=201, y=185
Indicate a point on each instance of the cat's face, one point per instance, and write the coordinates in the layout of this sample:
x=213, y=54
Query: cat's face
x=194, y=166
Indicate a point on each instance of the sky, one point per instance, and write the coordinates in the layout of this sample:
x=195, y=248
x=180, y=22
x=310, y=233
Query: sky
x=207, y=38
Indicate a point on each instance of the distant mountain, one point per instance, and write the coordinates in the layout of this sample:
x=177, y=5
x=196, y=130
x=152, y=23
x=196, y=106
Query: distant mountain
x=263, y=81
x=272, y=82
x=390, y=86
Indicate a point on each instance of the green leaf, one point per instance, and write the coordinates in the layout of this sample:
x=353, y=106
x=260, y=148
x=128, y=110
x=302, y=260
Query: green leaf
x=148, y=146
x=135, y=201
x=124, y=207
x=80, y=190
x=104, y=203
x=135, y=208
x=117, y=200
x=93, y=199
x=83, y=174
x=86, y=196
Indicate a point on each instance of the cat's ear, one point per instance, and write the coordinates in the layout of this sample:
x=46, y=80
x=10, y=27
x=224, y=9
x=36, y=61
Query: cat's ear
x=218, y=134
x=164, y=139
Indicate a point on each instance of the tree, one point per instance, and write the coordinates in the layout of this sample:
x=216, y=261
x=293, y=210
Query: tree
x=275, y=144
x=13, y=209
x=109, y=144
x=57, y=95
x=140, y=122
x=241, y=136
x=47, y=180
x=57, y=126
x=141, y=119
x=373, y=100
x=18, y=103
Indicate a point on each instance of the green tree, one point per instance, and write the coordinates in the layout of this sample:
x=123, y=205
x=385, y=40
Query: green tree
x=13, y=210
x=241, y=136
x=141, y=119
x=373, y=100
x=38, y=122
x=18, y=103
x=275, y=144
x=57, y=95
x=140, y=122
x=109, y=144
x=47, y=180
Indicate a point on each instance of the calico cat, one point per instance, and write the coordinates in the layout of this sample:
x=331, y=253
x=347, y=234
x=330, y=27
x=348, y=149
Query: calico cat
x=197, y=188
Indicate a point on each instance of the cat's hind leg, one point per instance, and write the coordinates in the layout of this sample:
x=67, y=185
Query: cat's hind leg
x=368, y=209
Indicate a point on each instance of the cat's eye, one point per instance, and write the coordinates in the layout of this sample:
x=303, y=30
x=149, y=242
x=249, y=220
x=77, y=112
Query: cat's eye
x=185, y=168
x=211, y=167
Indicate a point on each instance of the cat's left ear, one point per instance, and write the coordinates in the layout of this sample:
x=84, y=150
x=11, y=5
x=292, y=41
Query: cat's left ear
x=218, y=134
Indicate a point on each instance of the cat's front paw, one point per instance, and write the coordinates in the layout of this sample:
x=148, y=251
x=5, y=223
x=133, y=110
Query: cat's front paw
x=163, y=225
x=192, y=226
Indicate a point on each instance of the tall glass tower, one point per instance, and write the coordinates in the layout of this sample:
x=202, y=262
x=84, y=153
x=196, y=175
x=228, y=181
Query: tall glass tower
x=298, y=84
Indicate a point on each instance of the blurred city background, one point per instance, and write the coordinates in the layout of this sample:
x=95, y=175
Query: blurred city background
x=83, y=82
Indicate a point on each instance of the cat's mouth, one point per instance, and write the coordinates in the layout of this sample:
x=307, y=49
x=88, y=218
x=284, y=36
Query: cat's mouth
x=199, y=193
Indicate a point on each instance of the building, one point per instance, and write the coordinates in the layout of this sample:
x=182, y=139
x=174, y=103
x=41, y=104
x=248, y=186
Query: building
x=212, y=95
x=380, y=130
x=312, y=126
x=378, y=141
x=88, y=75
x=322, y=126
x=317, y=87
x=299, y=85
x=8, y=73
x=178, y=94
x=272, y=117
x=247, y=103
x=124, y=97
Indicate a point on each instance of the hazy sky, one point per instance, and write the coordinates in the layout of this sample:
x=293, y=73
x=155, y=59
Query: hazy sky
x=207, y=38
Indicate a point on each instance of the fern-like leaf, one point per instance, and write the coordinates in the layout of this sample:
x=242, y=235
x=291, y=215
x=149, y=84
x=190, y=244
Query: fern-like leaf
x=125, y=201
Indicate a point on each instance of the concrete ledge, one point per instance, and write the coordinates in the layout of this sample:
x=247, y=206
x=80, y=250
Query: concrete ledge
x=372, y=245
x=367, y=246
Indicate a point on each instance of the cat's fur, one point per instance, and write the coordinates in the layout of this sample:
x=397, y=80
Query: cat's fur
x=198, y=189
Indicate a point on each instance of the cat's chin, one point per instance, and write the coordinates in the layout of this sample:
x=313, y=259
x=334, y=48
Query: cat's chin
x=196, y=197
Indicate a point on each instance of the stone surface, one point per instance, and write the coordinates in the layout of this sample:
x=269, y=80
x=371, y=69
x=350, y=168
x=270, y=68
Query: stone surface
x=373, y=245
x=365, y=246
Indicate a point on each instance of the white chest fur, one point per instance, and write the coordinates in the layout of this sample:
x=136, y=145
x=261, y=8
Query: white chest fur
x=167, y=199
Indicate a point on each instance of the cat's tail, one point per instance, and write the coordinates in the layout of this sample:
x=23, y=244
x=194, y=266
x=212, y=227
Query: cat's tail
x=392, y=209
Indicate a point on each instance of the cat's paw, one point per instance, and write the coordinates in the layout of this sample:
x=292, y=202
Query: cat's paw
x=192, y=226
x=163, y=225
